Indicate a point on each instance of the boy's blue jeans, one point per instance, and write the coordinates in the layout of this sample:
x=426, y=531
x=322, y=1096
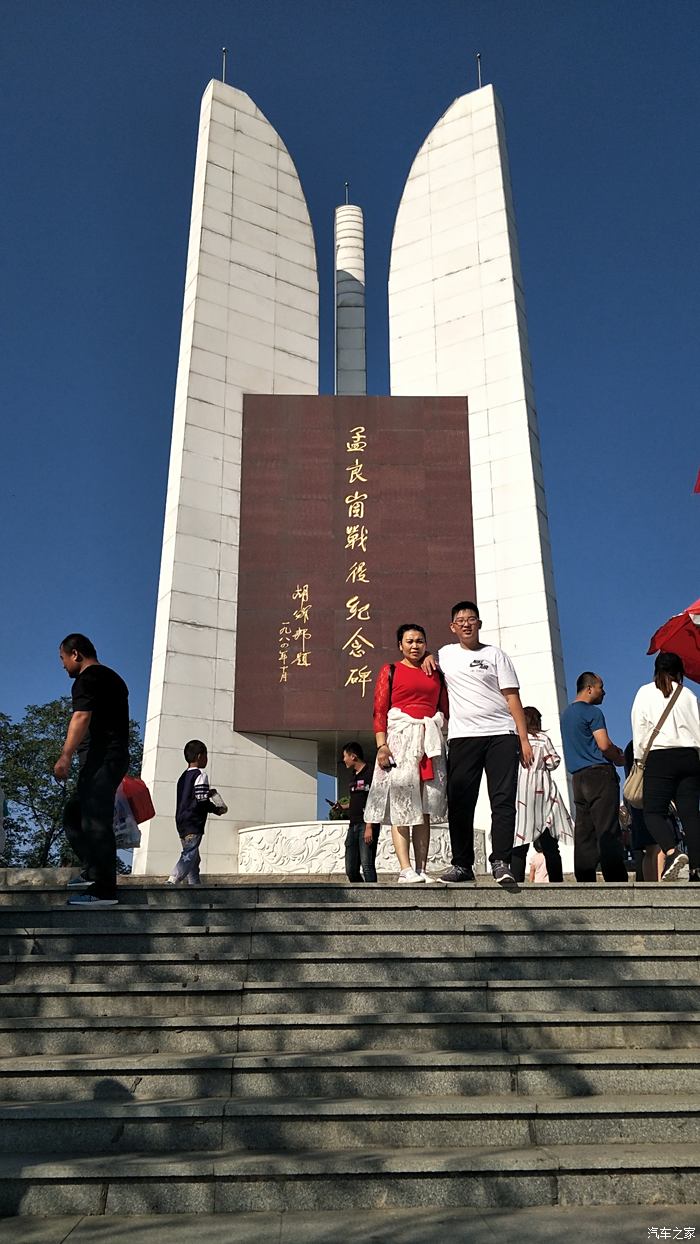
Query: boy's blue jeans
x=189, y=861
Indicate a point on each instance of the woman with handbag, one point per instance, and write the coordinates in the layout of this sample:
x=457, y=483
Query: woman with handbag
x=666, y=741
x=409, y=787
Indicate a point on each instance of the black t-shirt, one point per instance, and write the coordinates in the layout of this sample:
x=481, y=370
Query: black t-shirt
x=359, y=790
x=98, y=690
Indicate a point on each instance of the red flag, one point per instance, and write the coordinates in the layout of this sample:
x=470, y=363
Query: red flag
x=697, y=484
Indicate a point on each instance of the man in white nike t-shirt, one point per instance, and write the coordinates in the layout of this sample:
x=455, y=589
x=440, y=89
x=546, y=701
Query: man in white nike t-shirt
x=487, y=734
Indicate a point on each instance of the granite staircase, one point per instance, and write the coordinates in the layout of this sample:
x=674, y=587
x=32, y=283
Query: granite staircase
x=287, y=1046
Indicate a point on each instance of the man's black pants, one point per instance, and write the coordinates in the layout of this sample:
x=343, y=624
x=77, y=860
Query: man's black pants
x=496, y=755
x=359, y=853
x=597, y=834
x=88, y=822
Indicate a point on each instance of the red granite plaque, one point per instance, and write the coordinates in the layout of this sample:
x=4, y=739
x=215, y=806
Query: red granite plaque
x=355, y=517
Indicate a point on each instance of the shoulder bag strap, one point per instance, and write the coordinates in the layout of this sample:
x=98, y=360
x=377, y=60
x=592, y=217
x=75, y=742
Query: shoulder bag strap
x=660, y=722
x=392, y=669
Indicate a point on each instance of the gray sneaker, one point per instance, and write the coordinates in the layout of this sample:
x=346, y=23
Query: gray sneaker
x=502, y=874
x=674, y=864
x=78, y=883
x=457, y=876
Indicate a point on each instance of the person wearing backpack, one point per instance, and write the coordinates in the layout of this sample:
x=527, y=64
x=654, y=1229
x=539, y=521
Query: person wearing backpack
x=409, y=789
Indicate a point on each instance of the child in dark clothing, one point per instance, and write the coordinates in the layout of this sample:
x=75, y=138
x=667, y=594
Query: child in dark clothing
x=194, y=802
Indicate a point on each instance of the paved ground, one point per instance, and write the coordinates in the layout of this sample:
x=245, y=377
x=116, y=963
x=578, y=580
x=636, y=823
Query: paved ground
x=618, y=1224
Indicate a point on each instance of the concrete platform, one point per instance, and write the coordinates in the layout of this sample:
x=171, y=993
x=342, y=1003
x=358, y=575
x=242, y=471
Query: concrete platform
x=610, y=1224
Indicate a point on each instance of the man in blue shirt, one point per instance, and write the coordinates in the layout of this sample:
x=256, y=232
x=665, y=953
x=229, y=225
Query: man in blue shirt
x=591, y=757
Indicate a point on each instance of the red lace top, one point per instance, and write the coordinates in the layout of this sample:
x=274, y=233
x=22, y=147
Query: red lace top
x=415, y=693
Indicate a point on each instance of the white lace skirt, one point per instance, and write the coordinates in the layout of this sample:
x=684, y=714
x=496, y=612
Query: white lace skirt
x=396, y=797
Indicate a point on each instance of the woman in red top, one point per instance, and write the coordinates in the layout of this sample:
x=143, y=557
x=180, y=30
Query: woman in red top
x=410, y=782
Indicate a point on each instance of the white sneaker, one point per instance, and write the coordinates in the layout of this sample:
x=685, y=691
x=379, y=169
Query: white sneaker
x=424, y=876
x=172, y=881
x=91, y=900
x=408, y=876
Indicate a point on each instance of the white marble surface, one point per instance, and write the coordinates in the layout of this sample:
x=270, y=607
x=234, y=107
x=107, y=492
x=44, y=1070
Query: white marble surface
x=457, y=326
x=317, y=847
x=250, y=324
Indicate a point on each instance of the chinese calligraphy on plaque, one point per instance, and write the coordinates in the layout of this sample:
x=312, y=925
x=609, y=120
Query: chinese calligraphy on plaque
x=295, y=633
x=358, y=646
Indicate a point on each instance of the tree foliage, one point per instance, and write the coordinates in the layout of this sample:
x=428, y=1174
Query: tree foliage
x=29, y=750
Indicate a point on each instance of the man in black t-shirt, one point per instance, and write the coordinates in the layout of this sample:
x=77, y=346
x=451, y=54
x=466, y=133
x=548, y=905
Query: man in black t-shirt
x=361, y=840
x=99, y=732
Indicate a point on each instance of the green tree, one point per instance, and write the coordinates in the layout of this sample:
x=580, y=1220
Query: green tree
x=28, y=751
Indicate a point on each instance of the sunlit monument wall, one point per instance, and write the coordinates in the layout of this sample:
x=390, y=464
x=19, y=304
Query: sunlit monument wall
x=457, y=324
x=284, y=567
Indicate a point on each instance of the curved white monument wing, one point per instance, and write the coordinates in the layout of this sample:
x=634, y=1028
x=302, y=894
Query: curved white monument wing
x=250, y=324
x=457, y=326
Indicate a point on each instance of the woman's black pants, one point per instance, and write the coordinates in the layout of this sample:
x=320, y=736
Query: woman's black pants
x=672, y=774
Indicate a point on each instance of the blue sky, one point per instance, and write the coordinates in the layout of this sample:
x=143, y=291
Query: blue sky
x=99, y=116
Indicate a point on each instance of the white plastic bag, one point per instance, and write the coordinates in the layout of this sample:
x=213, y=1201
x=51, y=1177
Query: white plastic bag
x=217, y=803
x=126, y=832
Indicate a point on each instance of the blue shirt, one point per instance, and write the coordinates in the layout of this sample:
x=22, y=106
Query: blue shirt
x=578, y=722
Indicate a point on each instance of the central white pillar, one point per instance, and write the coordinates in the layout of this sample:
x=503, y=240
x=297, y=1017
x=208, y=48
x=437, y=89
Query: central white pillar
x=350, y=352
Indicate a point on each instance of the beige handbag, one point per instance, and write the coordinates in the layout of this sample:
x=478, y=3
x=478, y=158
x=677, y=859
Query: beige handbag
x=633, y=789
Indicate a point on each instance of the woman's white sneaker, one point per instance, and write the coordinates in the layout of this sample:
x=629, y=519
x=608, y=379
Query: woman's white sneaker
x=408, y=876
x=424, y=876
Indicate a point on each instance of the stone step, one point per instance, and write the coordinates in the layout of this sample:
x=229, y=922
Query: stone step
x=542, y=1224
x=364, y=1178
x=361, y=1073
x=344, y=920
x=281, y=1124
x=619, y=962
x=484, y=893
x=279, y=997
x=212, y=941
x=306, y=1033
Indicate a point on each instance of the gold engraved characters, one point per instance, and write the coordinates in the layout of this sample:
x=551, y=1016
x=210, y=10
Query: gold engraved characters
x=298, y=635
x=355, y=472
x=357, y=573
x=285, y=634
x=357, y=443
x=358, y=609
x=356, y=537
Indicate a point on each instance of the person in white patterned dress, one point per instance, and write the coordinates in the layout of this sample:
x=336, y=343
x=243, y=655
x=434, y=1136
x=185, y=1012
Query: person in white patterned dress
x=541, y=814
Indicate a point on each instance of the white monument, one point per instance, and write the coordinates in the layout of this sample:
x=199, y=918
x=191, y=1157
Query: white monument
x=457, y=326
x=249, y=325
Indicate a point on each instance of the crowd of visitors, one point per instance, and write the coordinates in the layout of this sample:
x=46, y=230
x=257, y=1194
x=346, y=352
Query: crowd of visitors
x=468, y=691
x=473, y=687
